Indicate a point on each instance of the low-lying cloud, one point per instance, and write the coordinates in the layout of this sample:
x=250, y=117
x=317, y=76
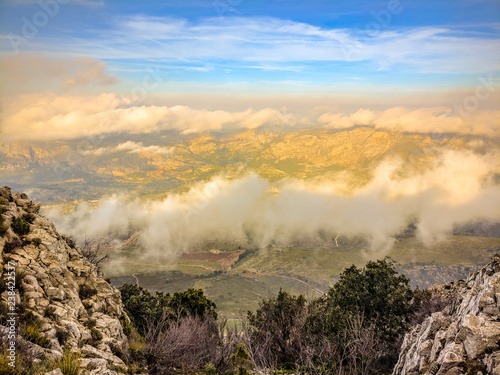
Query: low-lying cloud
x=49, y=117
x=459, y=188
x=422, y=120
x=130, y=147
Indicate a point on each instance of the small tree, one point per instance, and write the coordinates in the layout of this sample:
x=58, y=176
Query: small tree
x=192, y=302
x=145, y=308
x=372, y=305
x=92, y=254
x=277, y=327
x=241, y=360
x=375, y=292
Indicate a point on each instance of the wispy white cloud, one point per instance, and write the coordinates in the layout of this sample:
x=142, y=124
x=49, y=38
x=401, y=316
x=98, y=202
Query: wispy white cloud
x=276, y=43
x=273, y=68
x=130, y=147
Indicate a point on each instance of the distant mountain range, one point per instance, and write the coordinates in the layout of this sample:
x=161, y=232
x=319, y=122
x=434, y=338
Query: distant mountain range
x=150, y=166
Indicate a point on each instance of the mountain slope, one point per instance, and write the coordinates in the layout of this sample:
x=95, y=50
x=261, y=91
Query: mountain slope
x=152, y=166
x=60, y=301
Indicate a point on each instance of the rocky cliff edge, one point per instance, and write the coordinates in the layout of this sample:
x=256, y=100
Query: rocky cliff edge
x=61, y=302
x=463, y=338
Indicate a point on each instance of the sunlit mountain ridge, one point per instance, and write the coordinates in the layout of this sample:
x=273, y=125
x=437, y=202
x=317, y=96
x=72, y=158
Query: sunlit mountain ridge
x=151, y=166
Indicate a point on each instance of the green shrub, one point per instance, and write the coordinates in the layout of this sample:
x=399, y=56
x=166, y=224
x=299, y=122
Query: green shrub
x=4, y=309
x=62, y=336
x=126, y=326
x=3, y=225
x=19, y=277
x=241, y=360
x=116, y=350
x=86, y=292
x=277, y=321
x=96, y=335
x=5, y=369
x=376, y=292
x=20, y=226
x=31, y=325
x=36, y=241
x=29, y=217
x=31, y=333
x=28, y=317
x=473, y=366
x=210, y=369
x=143, y=307
x=11, y=245
x=69, y=364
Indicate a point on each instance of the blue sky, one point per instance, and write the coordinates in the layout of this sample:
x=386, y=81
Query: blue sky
x=278, y=46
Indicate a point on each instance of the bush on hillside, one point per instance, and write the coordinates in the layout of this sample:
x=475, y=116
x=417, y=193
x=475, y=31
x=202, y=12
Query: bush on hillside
x=377, y=293
x=20, y=226
x=277, y=328
x=144, y=307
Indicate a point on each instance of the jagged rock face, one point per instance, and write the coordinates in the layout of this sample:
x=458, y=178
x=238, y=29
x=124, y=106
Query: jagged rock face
x=61, y=288
x=463, y=338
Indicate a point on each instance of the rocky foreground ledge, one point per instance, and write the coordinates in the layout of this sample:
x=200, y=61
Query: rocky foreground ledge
x=62, y=304
x=463, y=338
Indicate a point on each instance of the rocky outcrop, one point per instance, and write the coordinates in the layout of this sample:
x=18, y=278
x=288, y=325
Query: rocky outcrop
x=463, y=338
x=74, y=308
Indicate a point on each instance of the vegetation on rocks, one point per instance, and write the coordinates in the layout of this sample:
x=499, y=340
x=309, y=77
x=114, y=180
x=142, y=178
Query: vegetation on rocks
x=20, y=226
x=56, y=291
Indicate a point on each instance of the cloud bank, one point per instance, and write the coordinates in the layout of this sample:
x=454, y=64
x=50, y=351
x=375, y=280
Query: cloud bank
x=458, y=188
x=423, y=120
x=49, y=117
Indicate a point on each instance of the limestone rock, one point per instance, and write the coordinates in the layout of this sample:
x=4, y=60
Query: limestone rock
x=62, y=290
x=461, y=336
x=57, y=371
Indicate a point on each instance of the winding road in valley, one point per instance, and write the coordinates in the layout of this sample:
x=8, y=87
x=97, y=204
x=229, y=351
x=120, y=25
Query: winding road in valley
x=217, y=269
x=285, y=277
